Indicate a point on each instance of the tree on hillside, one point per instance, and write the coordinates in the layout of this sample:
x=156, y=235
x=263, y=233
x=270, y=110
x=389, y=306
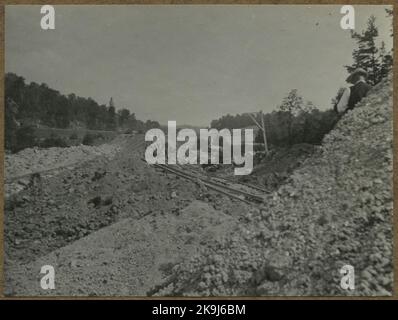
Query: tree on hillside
x=292, y=103
x=365, y=56
x=308, y=107
x=111, y=123
x=132, y=122
x=123, y=115
x=376, y=61
x=11, y=124
x=385, y=60
x=291, y=106
x=390, y=13
x=15, y=88
x=62, y=112
x=232, y=122
x=150, y=124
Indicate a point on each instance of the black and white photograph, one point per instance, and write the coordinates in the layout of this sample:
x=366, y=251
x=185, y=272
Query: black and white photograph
x=198, y=151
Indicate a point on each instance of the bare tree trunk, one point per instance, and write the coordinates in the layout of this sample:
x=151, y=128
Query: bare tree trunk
x=264, y=133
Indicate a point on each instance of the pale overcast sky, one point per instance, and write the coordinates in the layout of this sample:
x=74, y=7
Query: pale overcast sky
x=186, y=63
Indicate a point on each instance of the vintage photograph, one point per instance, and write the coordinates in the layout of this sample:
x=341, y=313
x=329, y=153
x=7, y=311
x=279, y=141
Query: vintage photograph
x=198, y=151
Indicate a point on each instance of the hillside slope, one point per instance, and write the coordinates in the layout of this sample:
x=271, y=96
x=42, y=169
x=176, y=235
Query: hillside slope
x=336, y=209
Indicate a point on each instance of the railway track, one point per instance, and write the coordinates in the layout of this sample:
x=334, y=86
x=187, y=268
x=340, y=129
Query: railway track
x=242, y=192
x=231, y=181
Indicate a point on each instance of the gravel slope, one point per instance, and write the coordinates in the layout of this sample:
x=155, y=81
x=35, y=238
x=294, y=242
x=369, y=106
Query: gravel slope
x=336, y=209
x=125, y=258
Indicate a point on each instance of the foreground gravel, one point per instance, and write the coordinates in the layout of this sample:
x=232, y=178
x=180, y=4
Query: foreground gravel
x=126, y=258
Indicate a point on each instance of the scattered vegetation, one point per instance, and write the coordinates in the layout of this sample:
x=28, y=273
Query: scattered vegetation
x=88, y=139
x=54, y=141
x=24, y=138
x=73, y=136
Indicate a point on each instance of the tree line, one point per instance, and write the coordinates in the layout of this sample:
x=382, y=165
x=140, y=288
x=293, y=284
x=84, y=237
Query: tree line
x=298, y=121
x=31, y=105
x=41, y=105
x=294, y=121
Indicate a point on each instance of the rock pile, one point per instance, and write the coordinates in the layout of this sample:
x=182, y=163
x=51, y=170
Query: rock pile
x=36, y=159
x=335, y=210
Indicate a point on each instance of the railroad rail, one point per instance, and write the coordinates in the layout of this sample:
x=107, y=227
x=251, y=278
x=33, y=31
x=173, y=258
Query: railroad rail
x=229, y=180
x=220, y=185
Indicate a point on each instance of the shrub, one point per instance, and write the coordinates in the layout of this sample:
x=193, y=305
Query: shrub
x=54, y=141
x=25, y=138
x=73, y=136
x=88, y=139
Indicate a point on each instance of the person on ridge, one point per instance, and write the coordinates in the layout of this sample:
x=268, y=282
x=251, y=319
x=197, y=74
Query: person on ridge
x=352, y=95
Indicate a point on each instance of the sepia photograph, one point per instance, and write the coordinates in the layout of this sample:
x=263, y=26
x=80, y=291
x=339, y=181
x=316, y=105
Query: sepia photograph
x=198, y=151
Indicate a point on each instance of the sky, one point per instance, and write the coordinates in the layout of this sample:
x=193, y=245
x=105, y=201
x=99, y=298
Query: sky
x=188, y=63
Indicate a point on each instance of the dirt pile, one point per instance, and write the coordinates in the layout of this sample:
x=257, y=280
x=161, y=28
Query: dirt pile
x=54, y=210
x=335, y=210
x=49, y=162
x=126, y=258
x=36, y=159
x=109, y=210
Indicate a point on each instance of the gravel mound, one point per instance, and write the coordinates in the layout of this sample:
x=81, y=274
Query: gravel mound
x=36, y=159
x=335, y=210
x=20, y=167
x=124, y=258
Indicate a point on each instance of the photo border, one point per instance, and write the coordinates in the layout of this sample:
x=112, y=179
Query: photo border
x=393, y=3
